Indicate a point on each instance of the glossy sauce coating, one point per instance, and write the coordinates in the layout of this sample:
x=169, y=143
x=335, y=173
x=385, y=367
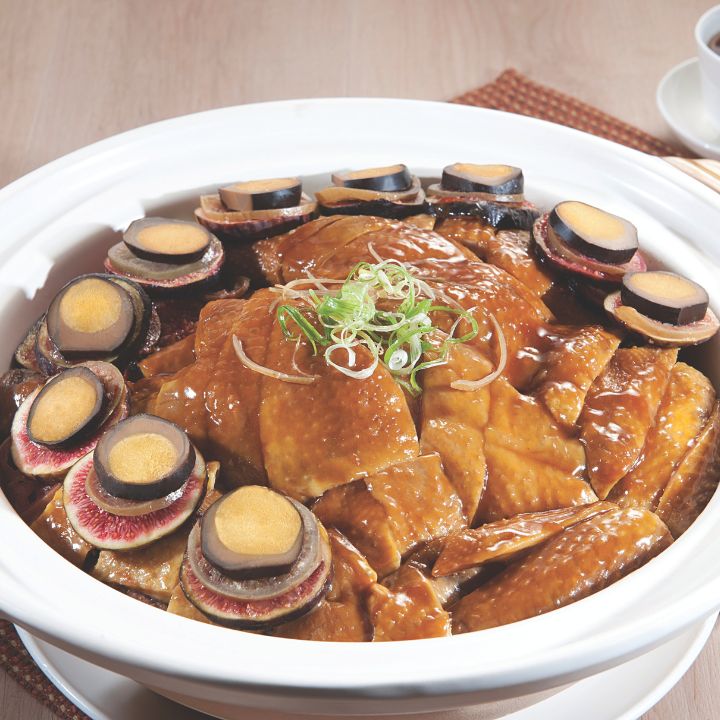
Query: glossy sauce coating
x=683, y=412
x=694, y=481
x=505, y=539
x=620, y=409
x=572, y=565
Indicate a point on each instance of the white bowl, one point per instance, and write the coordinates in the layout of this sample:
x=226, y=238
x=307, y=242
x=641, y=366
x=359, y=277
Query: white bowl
x=59, y=220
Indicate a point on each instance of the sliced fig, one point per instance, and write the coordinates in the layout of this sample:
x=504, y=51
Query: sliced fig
x=143, y=458
x=568, y=261
x=129, y=508
x=490, y=179
x=118, y=532
x=498, y=215
x=177, y=242
x=593, y=232
x=252, y=532
x=661, y=333
x=164, y=276
x=393, y=178
x=37, y=460
x=67, y=406
x=287, y=600
x=90, y=316
x=268, y=194
x=255, y=224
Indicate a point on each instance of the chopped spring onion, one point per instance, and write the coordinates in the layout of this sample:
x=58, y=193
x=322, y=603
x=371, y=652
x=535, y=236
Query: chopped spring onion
x=384, y=308
x=470, y=385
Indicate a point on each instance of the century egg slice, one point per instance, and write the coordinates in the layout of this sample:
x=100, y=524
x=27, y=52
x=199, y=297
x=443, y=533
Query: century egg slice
x=170, y=241
x=252, y=532
x=258, y=602
x=594, y=232
x=392, y=178
x=268, y=194
x=90, y=315
x=143, y=458
x=492, y=179
x=667, y=308
x=65, y=407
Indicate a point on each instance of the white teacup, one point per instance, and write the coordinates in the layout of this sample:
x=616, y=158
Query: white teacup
x=707, y=27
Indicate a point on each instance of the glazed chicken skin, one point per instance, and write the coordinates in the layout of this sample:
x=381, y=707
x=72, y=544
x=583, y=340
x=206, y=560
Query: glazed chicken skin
x=461, y=506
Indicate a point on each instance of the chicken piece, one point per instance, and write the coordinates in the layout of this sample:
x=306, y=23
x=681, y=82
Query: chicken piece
x=216, y=399
x=334, y=430
x=55, y=529
x=506, y=539
x=570, y=566
x=472, y=232
x=154, y=569
x=683, y=412
x=341, y=616
x=485, y=290
x=453, y=423
x=499, y=448
x=578, y=356
x=532, y=463
x=448, y=588
x=389, y=513
x=332, y=246
x=170, y=359
x=407, y=608
x=694, y=481
x=620, y=409
x=512, y=251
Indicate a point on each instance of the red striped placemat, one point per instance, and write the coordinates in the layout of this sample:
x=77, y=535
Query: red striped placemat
x=512, y=92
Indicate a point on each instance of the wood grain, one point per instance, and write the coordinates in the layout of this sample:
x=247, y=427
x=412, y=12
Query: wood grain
x=76, y=71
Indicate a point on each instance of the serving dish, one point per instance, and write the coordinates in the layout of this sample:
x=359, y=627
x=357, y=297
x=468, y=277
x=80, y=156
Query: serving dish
x=160, y=170
x=623, y=692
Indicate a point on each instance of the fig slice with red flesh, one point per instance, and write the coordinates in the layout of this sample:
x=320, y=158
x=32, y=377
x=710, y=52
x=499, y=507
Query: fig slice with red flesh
x=143, y=458
x=120, y=532
x=90, y=316
x=593, y=232
x=267, y=194
x=567, y=260
x=166, y=276
x=34, y=459
x=666, y=308
x=252, y=589
x=177, y=242
x=67, y=406
x=253, y=532
x=492, y=180
x=269, y=601
x=392, y=178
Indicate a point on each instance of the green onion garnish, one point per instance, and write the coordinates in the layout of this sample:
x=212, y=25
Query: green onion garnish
x=382, y=307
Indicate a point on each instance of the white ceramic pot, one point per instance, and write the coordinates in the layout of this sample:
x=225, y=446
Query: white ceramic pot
x=58, y=222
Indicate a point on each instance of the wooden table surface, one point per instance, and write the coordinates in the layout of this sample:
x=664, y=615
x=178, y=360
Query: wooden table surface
x=76, y=71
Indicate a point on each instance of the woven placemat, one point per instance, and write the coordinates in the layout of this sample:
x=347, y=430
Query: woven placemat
x=512, y=92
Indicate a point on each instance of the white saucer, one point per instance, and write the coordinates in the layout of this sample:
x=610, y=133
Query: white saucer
x=622, y=693
x=679, y=98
